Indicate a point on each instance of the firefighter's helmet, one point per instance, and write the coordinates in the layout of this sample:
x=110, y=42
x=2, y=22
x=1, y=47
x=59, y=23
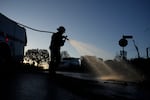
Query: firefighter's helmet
x=61, y=29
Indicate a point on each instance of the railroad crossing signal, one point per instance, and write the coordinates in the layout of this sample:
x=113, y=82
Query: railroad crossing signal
x=123, y=42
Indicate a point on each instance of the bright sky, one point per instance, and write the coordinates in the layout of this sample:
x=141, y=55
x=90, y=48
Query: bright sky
x=100, y=23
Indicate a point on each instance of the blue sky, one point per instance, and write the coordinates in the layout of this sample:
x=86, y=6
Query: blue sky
x=100, y=23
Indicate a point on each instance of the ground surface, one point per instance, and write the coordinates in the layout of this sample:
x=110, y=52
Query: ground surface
x=66, y=86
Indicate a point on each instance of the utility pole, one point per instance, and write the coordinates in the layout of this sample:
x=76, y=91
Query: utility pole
x=136, y=49
x=147, y=53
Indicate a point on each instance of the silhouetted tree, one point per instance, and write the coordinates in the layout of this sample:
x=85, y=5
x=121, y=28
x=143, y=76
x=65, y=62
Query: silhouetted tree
x=64, y=54
x=36, y=55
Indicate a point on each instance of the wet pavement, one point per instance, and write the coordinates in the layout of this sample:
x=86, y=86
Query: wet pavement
x=66, y=86
x=33, y=86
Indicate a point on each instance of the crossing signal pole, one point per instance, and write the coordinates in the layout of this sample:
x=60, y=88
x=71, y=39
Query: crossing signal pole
x=123, y=42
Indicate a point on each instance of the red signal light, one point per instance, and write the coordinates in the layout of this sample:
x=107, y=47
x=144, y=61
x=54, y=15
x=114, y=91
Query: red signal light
x=6, y=39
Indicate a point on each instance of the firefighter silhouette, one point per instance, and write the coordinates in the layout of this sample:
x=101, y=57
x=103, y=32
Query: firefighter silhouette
x=57, y=41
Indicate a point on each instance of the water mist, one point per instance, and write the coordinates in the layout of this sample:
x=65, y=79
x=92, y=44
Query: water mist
x=104, y=70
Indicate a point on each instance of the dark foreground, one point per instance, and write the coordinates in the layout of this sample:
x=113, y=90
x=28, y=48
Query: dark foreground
x=62, y=86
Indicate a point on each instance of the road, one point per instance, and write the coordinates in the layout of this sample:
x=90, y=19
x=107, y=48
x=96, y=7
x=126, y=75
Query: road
x=66, y=86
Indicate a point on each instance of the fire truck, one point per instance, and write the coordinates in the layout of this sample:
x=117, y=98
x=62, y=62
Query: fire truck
x=13, y=40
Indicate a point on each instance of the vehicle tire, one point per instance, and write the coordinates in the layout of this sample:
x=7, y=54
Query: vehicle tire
x=5, y=55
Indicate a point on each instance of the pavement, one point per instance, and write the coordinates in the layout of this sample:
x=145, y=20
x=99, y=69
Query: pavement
x=66, y=86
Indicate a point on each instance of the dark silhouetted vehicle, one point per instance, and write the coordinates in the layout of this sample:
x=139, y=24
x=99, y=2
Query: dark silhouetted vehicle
x=70, y=64
x=12, y=40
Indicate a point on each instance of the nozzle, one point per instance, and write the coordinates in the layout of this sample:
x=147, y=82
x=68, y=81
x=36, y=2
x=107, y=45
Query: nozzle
x=66, y=37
